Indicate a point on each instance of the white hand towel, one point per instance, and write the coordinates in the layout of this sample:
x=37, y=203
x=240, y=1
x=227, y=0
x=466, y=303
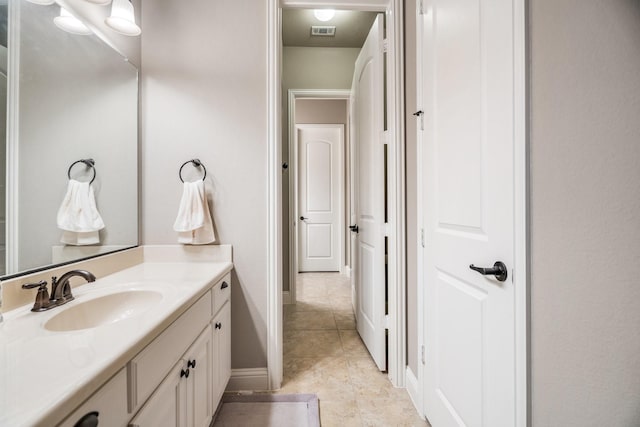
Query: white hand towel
x=78, y=215
x=193, y=223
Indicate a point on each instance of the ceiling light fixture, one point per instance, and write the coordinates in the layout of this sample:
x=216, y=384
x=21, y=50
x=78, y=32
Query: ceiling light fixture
x=122, y=19
x=69, y=23
x=324, y=15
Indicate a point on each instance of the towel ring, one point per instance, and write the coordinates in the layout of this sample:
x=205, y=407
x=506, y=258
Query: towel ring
x=90, y=163
x=196, y=163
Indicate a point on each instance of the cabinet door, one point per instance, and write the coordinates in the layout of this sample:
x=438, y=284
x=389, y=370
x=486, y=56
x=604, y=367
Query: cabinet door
x=167, y=405
x=222, y=350
x=199, y=359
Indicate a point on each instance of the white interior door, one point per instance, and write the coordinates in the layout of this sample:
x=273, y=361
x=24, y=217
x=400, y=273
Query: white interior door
x=320, y=169
x=468, y=198
x=369, y=260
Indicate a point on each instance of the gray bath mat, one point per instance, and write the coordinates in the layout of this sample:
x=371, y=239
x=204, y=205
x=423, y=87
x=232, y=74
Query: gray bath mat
x=268, y=410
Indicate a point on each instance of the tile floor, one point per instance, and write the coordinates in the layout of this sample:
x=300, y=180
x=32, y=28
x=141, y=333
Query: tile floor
x=324, y=354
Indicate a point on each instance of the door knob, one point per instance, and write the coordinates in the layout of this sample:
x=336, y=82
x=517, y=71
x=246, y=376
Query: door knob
x=302, y=218
x=499, y=270
x=354, y=228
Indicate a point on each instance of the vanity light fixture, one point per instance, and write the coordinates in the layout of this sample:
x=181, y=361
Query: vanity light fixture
x=122, y=19
x=69, y=23
x=324, y=15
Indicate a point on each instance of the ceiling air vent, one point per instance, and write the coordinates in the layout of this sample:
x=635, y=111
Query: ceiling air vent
x=323, y=30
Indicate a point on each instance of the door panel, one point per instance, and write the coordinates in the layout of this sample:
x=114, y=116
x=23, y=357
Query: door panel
x=320, y=196
x=368, y=121
x=468, y=175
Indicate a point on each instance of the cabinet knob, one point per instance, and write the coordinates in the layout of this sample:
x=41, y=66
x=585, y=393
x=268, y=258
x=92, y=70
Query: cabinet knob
x=218, y=325
x=224, y=285
x=191, y=363
x=88, y=420
x=184, y=373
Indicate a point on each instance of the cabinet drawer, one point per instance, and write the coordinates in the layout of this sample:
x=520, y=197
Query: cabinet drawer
x=110, y=402
x=221, y=292
x=153, y=363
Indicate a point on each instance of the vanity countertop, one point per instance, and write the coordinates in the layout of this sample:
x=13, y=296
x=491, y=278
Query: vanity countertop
x=45, y=375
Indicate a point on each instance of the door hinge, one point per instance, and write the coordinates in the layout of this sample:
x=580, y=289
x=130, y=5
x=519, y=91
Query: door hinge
x=386, y=321
x=387, y=229
x=422, y=237
x=422, y=356
x=421, y=7
x=385, y=45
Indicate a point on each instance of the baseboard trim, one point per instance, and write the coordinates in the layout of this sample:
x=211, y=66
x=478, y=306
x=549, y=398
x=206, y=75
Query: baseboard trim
x=346, y=270
x=413, y=389
x=250, y=379
x=286, y=297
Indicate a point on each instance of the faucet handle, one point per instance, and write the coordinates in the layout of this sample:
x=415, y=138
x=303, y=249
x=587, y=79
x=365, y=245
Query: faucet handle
x=42, y=297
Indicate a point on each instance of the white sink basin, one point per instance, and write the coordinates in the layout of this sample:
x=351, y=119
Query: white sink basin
x=103, y=310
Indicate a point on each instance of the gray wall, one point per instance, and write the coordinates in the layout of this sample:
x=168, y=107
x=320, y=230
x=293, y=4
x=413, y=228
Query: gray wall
x=204, y=94
x=308, y=68
x=585, y=212
x=412, y=184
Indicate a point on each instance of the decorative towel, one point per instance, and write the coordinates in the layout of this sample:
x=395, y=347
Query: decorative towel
x=194, y=224
x=78, y=216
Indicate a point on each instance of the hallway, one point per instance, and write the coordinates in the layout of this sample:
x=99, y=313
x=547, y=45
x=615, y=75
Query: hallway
x=323, y=354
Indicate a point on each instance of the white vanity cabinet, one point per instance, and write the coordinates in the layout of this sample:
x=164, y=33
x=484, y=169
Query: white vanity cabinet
x=221, y=346
x=178, y=379
x=190, y=393
x=184, y=397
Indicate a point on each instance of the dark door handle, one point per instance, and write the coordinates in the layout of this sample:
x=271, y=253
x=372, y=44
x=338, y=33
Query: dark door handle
x=499, y=270
x=354, y=228
x=191, y=363
x=224, y=285
x=418, y=113
x=184, y=373
x=302, y=218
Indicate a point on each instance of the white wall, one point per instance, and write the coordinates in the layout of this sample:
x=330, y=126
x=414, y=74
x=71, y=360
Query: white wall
x=585, y=212
x=308, y=68
x=204, y=94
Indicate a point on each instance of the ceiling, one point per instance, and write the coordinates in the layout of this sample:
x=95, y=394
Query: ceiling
x=351, y=28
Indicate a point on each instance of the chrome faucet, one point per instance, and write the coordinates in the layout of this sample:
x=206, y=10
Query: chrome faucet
x=60, y=290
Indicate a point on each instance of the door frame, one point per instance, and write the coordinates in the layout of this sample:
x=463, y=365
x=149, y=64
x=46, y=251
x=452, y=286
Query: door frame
x=295, y=94
x=520, y=272
x=395, y=229
x=293, y=156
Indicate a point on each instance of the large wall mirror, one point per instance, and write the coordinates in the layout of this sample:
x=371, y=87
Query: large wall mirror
x=71, y=119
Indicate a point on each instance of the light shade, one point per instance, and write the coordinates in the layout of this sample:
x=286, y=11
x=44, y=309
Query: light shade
x=324, y=15
x=122, y=19
x=100, y=2
x=66, y=21
x=42, y=2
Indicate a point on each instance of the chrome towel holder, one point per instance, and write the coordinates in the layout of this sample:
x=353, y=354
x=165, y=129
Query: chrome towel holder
x=90, y=163
x=196, y=163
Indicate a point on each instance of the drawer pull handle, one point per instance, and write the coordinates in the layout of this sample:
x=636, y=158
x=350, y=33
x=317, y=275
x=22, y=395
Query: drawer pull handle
x=88, y=420
x=218, y=325
x=191, y=363
x=224, y=285
x=184, y=373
